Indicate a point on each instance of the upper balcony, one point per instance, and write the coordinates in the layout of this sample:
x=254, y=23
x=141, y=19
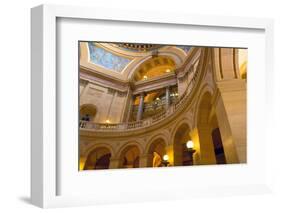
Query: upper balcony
x=189, y=74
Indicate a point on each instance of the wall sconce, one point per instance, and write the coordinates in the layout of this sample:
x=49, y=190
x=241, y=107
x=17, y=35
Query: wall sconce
x=165, y=161
x=190, y=149
x=190, y=144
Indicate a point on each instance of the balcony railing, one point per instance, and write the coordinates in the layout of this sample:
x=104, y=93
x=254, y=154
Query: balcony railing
x=153, y=108
x=175, y=105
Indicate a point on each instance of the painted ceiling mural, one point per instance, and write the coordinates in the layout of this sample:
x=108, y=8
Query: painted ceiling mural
x=111, y=61
x=106, y=59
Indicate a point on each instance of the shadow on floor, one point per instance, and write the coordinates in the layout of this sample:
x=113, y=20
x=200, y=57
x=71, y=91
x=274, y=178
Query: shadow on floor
x=26, y=200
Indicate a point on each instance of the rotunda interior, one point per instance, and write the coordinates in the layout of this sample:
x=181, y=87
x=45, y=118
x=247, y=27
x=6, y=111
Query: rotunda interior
x=155, y=105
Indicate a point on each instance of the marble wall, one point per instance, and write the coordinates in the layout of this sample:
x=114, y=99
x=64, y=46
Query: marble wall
x=109, y=103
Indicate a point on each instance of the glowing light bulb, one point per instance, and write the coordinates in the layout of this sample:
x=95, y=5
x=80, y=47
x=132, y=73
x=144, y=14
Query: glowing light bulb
x=165, y=157
x=157, y=99
x=168, y=70
x=144, y=77
x=190, y=144
x=107, y=121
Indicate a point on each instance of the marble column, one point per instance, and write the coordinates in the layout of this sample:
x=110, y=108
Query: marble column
x=114, y=163
x=146, y=160
x=167, y=97
x=140, y=109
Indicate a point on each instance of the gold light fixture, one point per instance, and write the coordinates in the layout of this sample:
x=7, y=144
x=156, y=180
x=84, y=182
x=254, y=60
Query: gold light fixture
x=190, y=144
x=165, y=161
x=190, y=149
x=144, y=77
x=165, y=157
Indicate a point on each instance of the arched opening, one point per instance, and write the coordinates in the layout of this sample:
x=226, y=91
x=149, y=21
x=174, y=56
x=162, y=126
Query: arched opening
x=181, y=155
x=156, y=151
x=219, y=151
x=217, y=140
x=98, y=158
x=130, y=157
x=87, y=112
x=207, y=150
x=156, y=66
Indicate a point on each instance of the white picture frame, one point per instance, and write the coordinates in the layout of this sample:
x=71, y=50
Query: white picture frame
x=44, y=148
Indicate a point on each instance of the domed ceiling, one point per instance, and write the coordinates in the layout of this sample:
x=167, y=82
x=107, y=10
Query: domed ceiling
x=106, y=59
x=117, y=56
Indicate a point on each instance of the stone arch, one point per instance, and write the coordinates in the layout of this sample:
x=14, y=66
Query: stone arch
x=88, y=110
x=206, y=88
x=207, y=152
x=132, y=143
x=204, y=108
x=186, y=121
x=176, y=55
x=155, y=150
x=129, y=155
x=98, y=157
x=180, y=137
x=161, y=135
x=91, y=147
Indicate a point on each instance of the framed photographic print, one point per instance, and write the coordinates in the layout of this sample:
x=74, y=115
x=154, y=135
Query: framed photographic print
x=136, y=106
